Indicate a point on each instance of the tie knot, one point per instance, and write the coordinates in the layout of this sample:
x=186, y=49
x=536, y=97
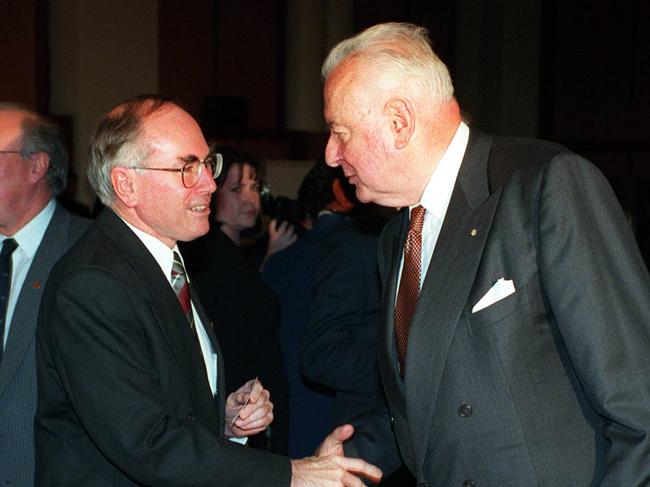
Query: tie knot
x=8, y=247
x=179, y=278
x=177, y=266
x=417, y=219
x=181, y=288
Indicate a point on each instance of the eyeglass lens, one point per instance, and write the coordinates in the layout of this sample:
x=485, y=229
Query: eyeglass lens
x=192, y=172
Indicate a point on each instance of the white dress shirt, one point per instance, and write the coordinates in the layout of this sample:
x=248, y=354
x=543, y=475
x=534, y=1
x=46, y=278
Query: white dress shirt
x=29, y=239
x=437, y=194
x=165, y=258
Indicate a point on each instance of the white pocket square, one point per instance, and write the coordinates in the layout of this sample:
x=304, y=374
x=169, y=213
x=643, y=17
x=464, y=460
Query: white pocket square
x=501, y=289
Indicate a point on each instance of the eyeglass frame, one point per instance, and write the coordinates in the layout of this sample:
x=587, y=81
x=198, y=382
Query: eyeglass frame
x=215, y=168
x=11, y=152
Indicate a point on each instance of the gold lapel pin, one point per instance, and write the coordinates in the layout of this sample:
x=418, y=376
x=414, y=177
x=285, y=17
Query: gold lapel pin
x=36, y=285
x=473, y=232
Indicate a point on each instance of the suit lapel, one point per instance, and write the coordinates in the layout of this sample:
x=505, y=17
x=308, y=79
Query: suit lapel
x=447, y=285
x=387, y=359
x=24, y=319
x=169, y=316
x=209, y=325
x=207, y=322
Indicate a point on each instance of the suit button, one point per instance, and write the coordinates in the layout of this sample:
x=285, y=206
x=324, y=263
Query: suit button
x=191, y=417
x=392, y=420
x=469, y=483
x=465, y=411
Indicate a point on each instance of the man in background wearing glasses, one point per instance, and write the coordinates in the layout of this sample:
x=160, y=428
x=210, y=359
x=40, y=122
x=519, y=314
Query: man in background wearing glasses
x=35, y=231
x=131, y=388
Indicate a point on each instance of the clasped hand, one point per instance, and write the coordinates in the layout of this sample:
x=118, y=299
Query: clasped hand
x=249, y=410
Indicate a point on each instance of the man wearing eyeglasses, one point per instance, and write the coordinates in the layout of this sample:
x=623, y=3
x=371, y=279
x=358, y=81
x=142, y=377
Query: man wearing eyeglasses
x=131, y=388
x=34, y=232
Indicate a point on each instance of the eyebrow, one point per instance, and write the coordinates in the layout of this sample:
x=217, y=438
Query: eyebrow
x=188, y=158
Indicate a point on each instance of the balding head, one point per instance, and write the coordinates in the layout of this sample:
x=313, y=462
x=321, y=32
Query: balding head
x=117, y=142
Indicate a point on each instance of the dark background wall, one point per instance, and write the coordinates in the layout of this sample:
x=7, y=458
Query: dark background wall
x=574, y=72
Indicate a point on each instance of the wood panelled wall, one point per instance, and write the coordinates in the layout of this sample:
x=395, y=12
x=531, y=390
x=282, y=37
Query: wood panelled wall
x=23, y=53
x=592, y=92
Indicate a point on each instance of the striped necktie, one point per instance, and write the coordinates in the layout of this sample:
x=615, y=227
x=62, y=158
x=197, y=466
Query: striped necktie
x=182, y=288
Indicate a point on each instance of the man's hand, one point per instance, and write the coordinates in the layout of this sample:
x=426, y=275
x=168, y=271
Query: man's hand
x=249, y=410
x=330, y=468
x=333, y=444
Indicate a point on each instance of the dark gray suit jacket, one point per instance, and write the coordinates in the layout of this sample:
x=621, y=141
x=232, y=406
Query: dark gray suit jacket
x=551, y=385
x=123, y=396
x=18, y=369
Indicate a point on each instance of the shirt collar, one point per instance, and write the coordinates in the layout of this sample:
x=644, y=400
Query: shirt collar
x=437, y=193
x=29, y=237
x=161, y=252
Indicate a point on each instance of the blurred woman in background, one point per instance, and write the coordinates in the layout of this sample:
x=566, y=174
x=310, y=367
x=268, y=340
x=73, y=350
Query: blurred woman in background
x=244, y=311
x=237, y=205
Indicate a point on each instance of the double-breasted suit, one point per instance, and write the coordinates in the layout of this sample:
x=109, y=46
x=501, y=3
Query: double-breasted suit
x=123, y=393
x=18, y=368
x=550, y=385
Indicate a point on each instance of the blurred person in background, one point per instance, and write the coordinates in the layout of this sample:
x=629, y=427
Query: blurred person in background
x=329, y=290
x=35, y=230
x=290, y=274
x=244, y=310
x=339, y=342
x=237, y=207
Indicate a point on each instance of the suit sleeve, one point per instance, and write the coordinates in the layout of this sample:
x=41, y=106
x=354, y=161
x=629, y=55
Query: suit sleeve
x=599, y=291
x=340, y=343
x=108, y=365
x=339, y=348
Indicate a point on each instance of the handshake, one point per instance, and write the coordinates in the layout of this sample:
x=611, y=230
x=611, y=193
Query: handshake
x=249, y=410
x=330, y=467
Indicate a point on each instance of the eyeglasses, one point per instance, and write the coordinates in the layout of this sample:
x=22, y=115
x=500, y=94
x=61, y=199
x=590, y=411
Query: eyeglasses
x=192, y=171
x=10, y=152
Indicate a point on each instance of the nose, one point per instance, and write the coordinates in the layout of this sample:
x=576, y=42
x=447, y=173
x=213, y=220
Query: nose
x=248, y=194
x=208, y=182
x=332, y=156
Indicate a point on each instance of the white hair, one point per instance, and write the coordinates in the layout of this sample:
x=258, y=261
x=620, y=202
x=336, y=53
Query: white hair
x=402, y=47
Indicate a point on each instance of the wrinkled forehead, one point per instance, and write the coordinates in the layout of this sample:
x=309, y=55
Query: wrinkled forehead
x=353, y=88
x=340, y=87
x=341, y=77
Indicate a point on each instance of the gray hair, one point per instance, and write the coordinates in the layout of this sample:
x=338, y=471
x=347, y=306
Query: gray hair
x=116, y=142
x=42, y=135
x=402, y=46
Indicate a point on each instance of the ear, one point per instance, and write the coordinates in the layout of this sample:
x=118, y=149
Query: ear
x=124, y=186
x=402, y=120
x=341, y=203
x=39, y=164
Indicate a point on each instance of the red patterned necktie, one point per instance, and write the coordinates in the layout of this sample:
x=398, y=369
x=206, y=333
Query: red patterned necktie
x=182, y=288
x=409, y=285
